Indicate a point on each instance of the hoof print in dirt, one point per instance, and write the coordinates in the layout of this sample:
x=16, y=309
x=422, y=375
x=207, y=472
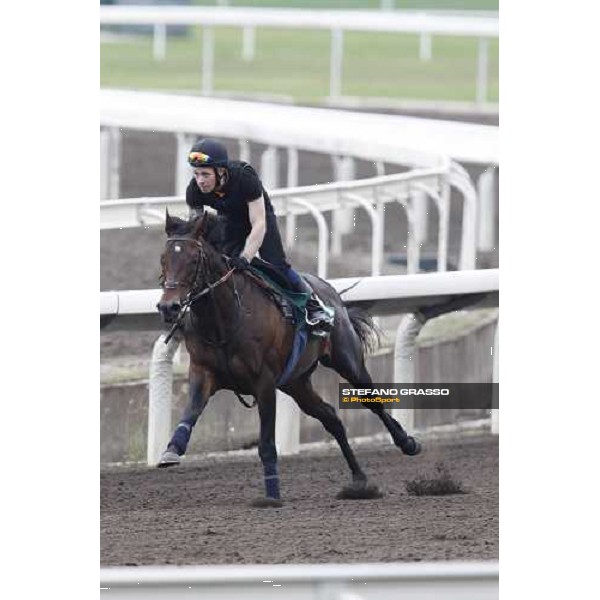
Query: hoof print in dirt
x=442, y=484
x=360, y=492
x=267, y=503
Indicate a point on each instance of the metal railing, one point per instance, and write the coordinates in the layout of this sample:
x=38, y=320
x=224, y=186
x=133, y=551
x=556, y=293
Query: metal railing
x=378, y=581
x=410, y=190
x=426, y=24
x=345, y=135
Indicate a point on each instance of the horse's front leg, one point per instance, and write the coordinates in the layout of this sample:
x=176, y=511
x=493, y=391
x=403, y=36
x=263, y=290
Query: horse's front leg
x=267, y=450
x=202, y=387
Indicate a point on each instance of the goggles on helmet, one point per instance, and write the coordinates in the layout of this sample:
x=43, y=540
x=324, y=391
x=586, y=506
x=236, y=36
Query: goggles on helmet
x=198, y=158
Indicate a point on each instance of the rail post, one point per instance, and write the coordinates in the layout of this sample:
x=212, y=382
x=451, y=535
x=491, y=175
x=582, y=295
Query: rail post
x=287, y=425
x=404, y=363
x=208, y=50
x=160, y=397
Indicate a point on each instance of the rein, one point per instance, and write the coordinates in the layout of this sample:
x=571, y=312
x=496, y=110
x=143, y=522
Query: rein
x=194, y=296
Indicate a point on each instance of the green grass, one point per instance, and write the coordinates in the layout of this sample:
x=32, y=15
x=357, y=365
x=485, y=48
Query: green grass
x=296, y=63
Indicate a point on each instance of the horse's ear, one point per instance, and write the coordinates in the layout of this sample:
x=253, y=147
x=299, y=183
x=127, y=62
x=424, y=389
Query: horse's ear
x=199, y=226
x=168, y=222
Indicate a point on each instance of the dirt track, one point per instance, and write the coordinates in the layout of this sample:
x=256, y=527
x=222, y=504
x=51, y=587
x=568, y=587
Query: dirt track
x=200, y=513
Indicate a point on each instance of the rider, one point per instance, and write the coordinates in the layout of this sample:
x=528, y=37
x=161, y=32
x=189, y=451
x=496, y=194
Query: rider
x=235, y=191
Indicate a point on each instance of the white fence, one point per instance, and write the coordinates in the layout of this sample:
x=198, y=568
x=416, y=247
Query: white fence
x=387, y=581
x=412, y=190
x=425, y=24
x=344, y=135
x=373, y=137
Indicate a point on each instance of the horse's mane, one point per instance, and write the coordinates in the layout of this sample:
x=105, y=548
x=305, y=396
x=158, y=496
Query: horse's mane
x=212, y=228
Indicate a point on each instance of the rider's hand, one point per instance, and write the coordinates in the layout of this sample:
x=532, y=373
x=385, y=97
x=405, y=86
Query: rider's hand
x=239, y=263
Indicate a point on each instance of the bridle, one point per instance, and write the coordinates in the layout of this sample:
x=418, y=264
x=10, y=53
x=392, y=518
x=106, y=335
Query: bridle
x=193, y=296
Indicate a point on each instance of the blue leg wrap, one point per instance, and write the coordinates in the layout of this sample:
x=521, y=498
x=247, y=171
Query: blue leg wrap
x=272, y=481
x=181, y=436
x=272, y=487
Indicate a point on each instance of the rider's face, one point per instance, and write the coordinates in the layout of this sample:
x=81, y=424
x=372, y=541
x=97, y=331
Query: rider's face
x=206, y=179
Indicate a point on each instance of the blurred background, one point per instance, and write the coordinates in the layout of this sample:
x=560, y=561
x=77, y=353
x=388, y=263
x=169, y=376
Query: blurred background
x=293, y=65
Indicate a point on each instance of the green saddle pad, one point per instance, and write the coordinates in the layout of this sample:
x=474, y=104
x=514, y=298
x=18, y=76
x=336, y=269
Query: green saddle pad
x=298, y=300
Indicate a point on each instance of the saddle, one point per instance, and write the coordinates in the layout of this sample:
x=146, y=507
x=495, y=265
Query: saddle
x=291, y=303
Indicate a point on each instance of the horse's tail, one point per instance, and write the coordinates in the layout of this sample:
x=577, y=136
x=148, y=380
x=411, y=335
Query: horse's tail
x=368, y=333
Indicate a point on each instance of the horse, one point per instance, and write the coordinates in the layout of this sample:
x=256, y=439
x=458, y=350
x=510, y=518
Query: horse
x=238, y=339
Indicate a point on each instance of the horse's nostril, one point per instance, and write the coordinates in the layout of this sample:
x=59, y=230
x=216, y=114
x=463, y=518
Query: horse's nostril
x=176, y=307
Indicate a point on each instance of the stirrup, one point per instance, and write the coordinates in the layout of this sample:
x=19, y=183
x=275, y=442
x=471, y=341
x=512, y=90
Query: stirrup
x=325, y=322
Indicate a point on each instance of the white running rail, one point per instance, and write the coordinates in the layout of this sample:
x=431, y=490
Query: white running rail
x=344, y=135
x=377, y=581
x=370, y=195
x=426, y=24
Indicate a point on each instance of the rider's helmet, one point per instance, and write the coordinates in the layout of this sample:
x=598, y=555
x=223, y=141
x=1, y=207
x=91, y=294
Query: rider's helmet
x=208, y=153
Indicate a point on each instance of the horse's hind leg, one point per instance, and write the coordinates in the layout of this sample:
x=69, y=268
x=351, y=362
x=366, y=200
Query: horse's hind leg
x=202, y=387
x=355, y=372
x=312, y=404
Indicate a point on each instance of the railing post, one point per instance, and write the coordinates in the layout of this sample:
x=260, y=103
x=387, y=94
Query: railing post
x=287, y=425
x=160, y=393
x=442, y=207
x=420, y=203
x=404, y=364
x=244, y=150
x=292, y=181
x=425, y=46
x=343, y=218
x=323, y=243
x=248, y=44
x=208, y=47
x=159, y=41
x=183, y=172
x=482, y=71
x=376, y=231
x=104, y=163
x=487, y=212
x=337, y=58
x=114, y=163
x=468, y=250
x=269, y=168
x=413, y=246
x=444, y=224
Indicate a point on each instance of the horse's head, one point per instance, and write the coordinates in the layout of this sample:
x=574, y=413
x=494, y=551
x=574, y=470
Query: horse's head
x=184, y=263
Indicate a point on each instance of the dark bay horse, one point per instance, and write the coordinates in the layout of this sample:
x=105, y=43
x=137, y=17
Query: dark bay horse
x=238, y=340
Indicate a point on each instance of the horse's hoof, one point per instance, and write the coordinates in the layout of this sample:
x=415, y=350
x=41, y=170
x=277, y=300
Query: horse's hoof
x=267, y=503
x=412, y=447
x=169, y=459
x=359, y=490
